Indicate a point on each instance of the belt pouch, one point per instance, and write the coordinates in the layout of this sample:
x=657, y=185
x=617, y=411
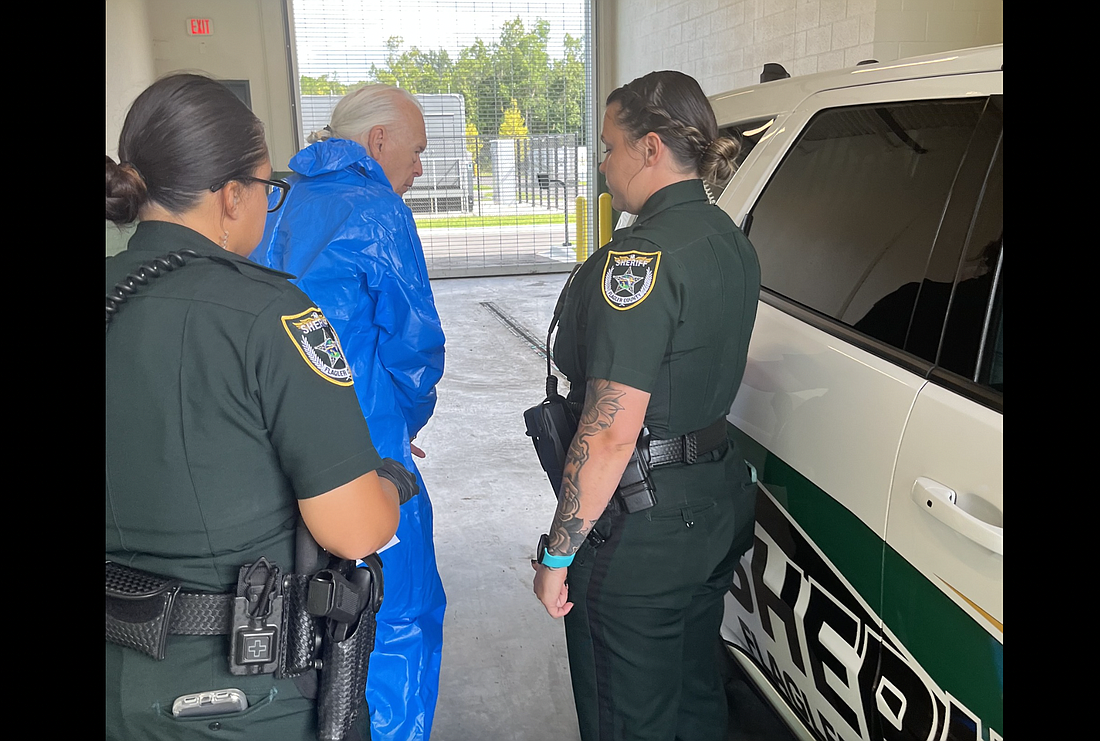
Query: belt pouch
x=343, y=679
x=551, y=426
x=139, y=609
x=255, y=633
x=301, y=637
x=636, y=490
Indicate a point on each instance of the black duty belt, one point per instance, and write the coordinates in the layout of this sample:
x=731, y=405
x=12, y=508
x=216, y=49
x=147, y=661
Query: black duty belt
x=688, y=448
x=200, y=614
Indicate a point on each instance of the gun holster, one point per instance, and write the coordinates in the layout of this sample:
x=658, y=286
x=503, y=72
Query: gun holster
x=347, y=597
x=636, y=491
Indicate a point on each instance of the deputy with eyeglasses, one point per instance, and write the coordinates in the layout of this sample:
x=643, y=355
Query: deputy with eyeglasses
x=351, y=241
x=230, y=412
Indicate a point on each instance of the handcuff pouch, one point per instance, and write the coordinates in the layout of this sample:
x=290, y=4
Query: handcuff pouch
x=301, y=634
x=139, y=609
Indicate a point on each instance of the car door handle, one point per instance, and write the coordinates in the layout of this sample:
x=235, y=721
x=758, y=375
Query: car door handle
x=946, y=506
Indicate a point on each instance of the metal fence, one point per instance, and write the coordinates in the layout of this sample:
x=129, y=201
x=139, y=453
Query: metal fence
x=501, y=205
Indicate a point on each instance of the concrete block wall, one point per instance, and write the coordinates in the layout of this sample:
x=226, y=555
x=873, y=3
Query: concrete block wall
x=906, y=28
x=725, y=44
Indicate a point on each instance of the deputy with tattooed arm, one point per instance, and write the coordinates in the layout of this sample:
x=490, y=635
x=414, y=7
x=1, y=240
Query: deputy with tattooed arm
x=653, y=339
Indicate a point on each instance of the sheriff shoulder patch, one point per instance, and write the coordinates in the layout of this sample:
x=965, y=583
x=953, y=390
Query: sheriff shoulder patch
x=628, y=277
x=318, y=345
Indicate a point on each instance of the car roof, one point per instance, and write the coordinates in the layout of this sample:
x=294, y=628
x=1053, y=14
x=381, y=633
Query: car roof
x=782, y=96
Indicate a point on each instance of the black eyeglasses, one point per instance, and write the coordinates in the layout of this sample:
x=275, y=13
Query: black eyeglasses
x=270, y=186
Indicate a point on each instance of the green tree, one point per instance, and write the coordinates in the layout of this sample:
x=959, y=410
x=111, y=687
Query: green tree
x=414, y=70
x=566, y=91
x=492, y=77
x=475, y=80
x=521, y=63
x=323, y=85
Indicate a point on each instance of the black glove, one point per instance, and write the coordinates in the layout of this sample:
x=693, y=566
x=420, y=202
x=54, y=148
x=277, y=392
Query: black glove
x=401, y=478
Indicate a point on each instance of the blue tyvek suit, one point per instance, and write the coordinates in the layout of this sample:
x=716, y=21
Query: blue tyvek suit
x=353, y=244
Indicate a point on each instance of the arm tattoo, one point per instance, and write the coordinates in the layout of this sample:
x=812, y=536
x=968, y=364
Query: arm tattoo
x=569, y=530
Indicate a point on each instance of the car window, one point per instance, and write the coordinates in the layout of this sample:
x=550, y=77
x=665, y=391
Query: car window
x=974, y=299
x=847, y=224
x=960, y=271
x=991, y=357
x=748, y=134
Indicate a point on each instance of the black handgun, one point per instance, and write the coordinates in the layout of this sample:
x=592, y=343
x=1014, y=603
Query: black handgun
x=342, y=599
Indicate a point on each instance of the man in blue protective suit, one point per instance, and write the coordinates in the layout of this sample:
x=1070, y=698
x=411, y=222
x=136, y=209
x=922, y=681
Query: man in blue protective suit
x=351, y=241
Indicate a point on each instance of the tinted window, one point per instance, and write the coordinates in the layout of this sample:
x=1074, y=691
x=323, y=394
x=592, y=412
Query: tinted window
x=971, y=306
x=991, y=361
x=848, y=222
x=748, y=134
x=960, y=271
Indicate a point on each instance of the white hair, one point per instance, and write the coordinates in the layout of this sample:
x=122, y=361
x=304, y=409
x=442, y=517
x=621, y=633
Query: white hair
x=361, y=110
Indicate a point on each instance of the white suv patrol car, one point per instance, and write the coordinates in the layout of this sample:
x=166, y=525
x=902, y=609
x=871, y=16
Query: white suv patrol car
x=870, y=606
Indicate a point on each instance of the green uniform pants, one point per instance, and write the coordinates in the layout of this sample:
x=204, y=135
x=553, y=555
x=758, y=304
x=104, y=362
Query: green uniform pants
x=643, y=634
x=140, y=692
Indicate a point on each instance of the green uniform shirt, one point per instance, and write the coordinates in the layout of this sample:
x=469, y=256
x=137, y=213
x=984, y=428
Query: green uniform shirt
x=227, y=399
x=666, y=307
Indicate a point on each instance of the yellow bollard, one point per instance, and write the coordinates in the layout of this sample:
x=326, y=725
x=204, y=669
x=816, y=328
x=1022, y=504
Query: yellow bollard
x=605, y=218
x=582, y=229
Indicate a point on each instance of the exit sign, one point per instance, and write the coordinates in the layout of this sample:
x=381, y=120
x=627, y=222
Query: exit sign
x=199, y=27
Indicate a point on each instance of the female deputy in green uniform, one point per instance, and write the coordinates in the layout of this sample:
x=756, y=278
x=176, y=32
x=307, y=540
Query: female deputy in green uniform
x=653, y=338
x=229, y=409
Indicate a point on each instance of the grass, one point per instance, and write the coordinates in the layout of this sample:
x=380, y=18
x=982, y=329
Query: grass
x=451, y=222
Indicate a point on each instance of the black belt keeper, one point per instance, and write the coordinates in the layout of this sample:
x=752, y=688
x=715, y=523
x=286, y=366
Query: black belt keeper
x=690, y=447
x=201, y=614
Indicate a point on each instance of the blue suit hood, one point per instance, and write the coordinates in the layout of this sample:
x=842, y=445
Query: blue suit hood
x=334, y=155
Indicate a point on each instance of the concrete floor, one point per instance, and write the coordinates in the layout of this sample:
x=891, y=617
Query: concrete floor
x=505, y=675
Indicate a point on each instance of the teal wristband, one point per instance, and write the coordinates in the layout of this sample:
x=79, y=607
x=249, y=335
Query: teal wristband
x=556, y=562
x=551, y=561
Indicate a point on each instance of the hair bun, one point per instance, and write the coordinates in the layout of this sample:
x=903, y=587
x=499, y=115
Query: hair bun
x=319, y=136
x=720, y=160
x=126, y=192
